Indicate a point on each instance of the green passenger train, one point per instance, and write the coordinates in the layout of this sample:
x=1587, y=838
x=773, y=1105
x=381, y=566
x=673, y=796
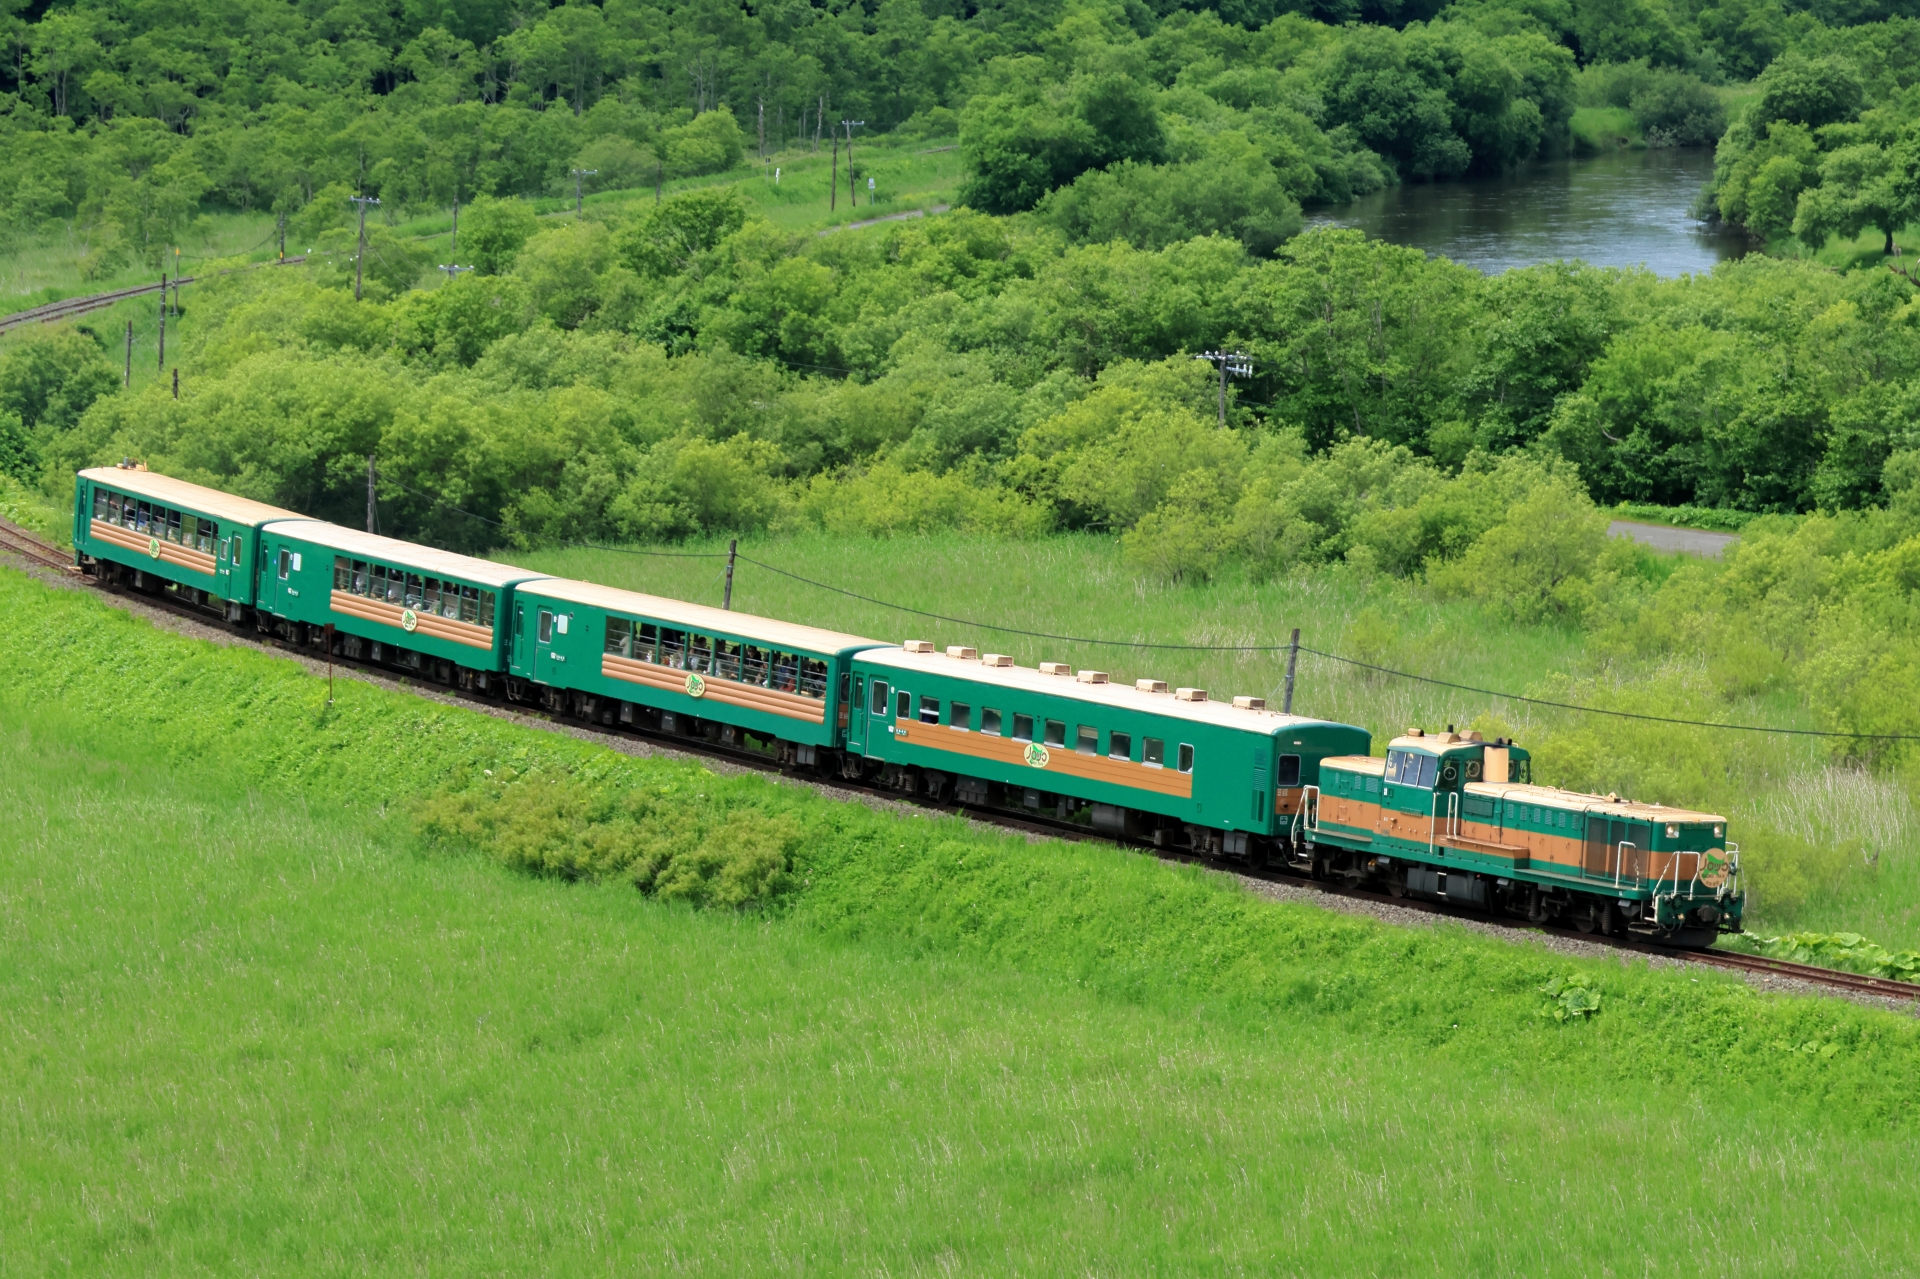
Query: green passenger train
x=1445, y=816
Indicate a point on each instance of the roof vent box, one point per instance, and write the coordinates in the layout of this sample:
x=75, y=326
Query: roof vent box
x=1150, y=685
x=962, y=651
x=1250, y=703
x=1092, y=677
x=996, y=659
x=1055, y=668
x=918, y=646
x=1190, y=694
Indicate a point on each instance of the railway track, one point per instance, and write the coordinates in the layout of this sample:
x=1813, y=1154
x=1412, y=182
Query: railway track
x=21, y=542
x=67, y=308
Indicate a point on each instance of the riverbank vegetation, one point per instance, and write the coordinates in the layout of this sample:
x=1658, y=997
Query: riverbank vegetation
x=926, y=1026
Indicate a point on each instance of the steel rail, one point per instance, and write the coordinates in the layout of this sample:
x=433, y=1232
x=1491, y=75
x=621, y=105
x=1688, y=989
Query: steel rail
x=66, y=308
x=23, y=542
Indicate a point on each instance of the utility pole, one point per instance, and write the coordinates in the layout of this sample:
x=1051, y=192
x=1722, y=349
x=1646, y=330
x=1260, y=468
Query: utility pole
x=283, y=239
x=763, y=130
x=850, y=126
x=176, y=384
x=162, y=364
x=127, y=379
x=578, y=199
x=454, y=244
x=372, y=511
x=726, y=595
x=453, y=272
x=1293, y=656
x=361, y=252
x=176, y=281
x=1231, y=363
x=833, y=184
x=659, y=176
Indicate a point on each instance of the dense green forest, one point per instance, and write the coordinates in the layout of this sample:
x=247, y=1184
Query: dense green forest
x=1134, y=192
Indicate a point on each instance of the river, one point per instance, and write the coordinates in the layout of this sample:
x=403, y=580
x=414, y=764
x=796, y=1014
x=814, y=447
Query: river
x=1622, y=208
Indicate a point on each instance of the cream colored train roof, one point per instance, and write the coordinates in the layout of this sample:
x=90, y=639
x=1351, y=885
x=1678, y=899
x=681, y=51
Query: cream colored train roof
x=697, y=617
x=156, y=487
x=398, y=554
x=1124, y=696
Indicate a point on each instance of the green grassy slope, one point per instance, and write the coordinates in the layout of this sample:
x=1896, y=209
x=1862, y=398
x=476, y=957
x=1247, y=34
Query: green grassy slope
x=254, y=1023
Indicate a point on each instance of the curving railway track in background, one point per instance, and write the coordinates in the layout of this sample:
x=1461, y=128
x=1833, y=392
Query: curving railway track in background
x=68, y=308
x=30, y=546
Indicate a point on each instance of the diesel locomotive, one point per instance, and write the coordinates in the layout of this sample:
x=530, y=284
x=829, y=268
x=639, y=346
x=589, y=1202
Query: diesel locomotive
x=1446, y=816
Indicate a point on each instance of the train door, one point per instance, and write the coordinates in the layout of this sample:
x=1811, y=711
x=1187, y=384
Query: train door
x=853, y=705
x=544, y=658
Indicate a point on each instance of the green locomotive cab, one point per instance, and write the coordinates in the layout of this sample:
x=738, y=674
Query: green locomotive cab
x=1139, y=761
x=660, y=665
x=1453, y=817
x=134, y=526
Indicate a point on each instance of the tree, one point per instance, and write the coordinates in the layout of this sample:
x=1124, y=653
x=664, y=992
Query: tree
x=492, y=231
x=1861, y=186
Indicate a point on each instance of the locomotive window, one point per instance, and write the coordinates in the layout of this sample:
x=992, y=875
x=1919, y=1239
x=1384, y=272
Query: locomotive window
x=903, y=705
x=960, y=715
x=1427, y=765
x=342, y=573
x=929, y=710
x=1153, y=752
x=1289, y=770
x=879, y=702
x=990, y=721
x=1119, y=746
x=1086, y=740
x=1526, y=772
x=619, y=637
x=1023, y=728
x=1056, y=733
x=1393, y=765
x=1186, y=758
x=544, y=632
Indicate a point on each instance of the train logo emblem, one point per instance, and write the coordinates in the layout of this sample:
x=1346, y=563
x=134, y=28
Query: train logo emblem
x=1037, y=755
x=153, y=547
x=409, y=620
x=696, y=687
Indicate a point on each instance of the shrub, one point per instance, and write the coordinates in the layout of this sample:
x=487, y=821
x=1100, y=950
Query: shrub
x=492, y=231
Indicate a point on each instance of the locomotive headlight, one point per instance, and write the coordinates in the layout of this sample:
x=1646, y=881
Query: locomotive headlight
x=1673, y=832
x=1719, y=830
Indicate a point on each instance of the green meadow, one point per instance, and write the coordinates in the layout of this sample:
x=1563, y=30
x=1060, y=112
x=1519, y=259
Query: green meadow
x=263, y=1015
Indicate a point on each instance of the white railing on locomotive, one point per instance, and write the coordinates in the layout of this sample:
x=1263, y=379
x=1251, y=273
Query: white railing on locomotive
x=1306, y=818
x=1620, y=858
x=1433, y=817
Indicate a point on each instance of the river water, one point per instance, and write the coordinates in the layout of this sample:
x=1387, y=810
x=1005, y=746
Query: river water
x=1622, y=208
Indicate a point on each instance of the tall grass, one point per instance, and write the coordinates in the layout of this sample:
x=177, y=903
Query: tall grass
x=252, y=1024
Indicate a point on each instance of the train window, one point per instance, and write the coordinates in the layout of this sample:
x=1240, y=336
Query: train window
x=544, y=631
x=143, y=518
x=813, y=677
x=450, y=599
x=880, y=697
x=1056, y=733
x=1427, y=764
x=226, y=547
x=360, y=577
x=203, y=533
x=1153, y=752
x=786, y=672
x=518, y=616
x=342, y=573
x=990, y=721
x=1289, y=770
x=753, y=665
x=619, y=637
x=1023, y=728
x=239, y=544
x=286, y=562
x=929, y=710
x=99, y=504
x=647, y=644
x=673, y=648
x=960, y=715
x=416, y=591
x=115, y=508
x=1086, y=739
x=1119, y=746
x=1525, y=775
x=726, y=659
x=903, y=705
x=176, y=527
x=430, y=596
x=1186, y=758
x=699, y=654
x=396, y=586
x=378, y=589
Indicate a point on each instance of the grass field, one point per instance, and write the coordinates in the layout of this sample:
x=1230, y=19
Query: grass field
x=254, y=1024
x=1769, y=786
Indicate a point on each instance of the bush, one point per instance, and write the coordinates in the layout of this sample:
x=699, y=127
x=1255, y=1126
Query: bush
x=710, y=143
x=492, y=231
